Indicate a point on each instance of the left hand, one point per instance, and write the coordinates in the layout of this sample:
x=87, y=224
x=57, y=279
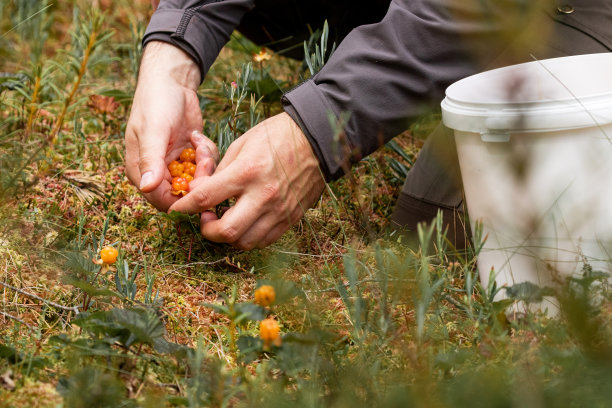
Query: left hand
x=274, y=175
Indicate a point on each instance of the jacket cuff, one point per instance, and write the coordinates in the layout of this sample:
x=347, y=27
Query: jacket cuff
x=310, y=110
x=172, y=26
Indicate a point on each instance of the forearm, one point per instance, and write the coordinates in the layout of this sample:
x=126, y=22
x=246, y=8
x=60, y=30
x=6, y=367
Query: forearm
x=162, y=61
x=198, y=27
x=387, y=74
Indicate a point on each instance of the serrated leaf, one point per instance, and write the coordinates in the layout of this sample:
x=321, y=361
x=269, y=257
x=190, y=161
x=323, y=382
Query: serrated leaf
x=144, y=325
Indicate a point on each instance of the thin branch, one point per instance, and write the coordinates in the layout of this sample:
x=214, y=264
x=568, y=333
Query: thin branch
x=17, y=320
x=74, y=309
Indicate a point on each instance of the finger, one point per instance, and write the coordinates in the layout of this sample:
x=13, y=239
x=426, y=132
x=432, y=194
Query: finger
x=209, y=192
x=234, y=223
x=256, y=236
x=161, y=198
x=131, y=159
x=199, y=140
x=208, y=216
x=204, y=168
x=268, y=229
x=273, y=235
x=152, y=148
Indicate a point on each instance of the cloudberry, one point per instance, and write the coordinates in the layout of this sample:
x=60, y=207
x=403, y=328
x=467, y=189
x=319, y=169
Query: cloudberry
x=269, y=332
x=189, y=168
x=176, y=169
x=179, y=186
x=188, y=155
x=265, y=295
x=187, y=177
x=109, y=255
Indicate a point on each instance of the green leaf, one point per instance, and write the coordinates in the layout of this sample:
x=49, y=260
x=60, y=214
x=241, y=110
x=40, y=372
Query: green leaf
x=10, y=81
x=144, y=325
x=249, y=347
x=90, y=289
x=9, y=353
x=80, y=266
x=124, y=98
x=250, y=311
x=217, y=308
x=528, y=292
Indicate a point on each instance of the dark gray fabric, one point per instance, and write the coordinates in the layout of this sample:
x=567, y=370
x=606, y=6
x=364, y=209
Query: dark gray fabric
x=199, y=27
x=388, y=73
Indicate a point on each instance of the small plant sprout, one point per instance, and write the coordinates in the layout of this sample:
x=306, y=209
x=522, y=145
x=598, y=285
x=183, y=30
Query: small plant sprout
x=265, y=295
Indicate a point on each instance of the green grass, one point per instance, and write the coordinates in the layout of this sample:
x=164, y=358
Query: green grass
x=367, y=317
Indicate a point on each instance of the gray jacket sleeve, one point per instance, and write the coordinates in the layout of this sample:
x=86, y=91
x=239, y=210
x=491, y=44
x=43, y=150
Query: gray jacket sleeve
x=199, y=27
x=384, y=75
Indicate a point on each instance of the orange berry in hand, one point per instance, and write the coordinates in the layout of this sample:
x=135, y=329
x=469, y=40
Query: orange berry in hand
x=180, y=184
x=109, y=255
x=188, y=155
x=265, y=295
x=187, y=177
x=176, y=169
x=189, y=168
x=269, y=332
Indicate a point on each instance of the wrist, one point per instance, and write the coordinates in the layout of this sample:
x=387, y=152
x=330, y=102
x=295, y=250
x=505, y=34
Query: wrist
x=163, y=61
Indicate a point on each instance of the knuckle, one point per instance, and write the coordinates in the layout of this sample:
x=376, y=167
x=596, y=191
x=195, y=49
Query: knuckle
x=229, y=234
x=245, y=245
x=201, y=196
x=252, y=170
x=270, y=191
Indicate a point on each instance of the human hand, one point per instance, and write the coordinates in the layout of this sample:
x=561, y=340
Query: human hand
x=165, y=112
x=274, y=175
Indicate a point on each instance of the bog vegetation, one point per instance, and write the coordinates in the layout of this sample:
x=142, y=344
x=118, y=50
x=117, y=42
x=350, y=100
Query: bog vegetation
x=108, y=303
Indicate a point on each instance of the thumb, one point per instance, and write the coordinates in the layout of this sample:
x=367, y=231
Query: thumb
x=152, y=163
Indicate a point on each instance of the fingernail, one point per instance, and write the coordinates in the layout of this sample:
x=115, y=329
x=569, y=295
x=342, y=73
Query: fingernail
x=197, y=133
x=146, y=179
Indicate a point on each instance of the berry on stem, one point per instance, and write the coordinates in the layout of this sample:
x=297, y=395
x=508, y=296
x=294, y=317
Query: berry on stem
x=269, y=332
x=109, y=255
x=265, y=295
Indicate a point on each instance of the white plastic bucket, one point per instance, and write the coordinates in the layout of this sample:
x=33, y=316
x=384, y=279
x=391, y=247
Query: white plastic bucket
x=535, y=149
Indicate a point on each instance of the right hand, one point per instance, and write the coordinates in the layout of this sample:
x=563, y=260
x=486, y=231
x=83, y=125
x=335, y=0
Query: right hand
x=164, y=114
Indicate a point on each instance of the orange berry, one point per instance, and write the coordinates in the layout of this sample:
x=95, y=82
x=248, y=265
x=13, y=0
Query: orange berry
x=265, y=295
x=188, y=155
x=109, y=255
x=180, y=184
x=176, y=169
x=269, y=332
x=187, y=177
x=189, y=168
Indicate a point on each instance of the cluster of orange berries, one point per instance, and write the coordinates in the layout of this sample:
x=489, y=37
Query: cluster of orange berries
x=182, y=171
x=269, y=330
